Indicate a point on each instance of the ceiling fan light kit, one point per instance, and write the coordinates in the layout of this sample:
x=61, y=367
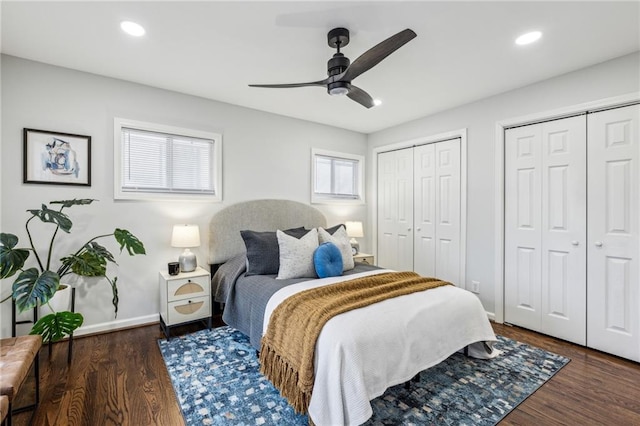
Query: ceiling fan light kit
x=341, y=71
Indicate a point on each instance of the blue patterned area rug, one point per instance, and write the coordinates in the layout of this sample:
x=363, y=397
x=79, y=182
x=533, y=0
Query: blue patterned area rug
x=217, y=380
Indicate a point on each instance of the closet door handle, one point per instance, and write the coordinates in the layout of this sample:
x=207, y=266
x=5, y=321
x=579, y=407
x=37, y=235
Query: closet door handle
x=418, y=229
x=598, y=244
x=575, y=243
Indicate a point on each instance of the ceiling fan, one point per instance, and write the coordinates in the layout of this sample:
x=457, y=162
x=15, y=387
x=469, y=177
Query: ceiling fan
x=341, y=71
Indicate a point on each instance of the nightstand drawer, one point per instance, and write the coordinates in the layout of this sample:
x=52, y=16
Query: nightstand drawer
x=189, y=309
x=183, y=288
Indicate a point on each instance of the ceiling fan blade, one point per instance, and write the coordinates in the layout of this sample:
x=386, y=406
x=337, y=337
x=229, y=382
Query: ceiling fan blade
x=360, y=96
x=284, y=86
x=376, y=54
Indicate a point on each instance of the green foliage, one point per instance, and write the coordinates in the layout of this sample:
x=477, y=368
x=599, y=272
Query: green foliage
x=52, y=216
x=114, y=289
x=32, y=286
x=36, y=285
x=54, y=327
x=128, y=240
x=74, y=202
x=90, y=262
x=11, y=259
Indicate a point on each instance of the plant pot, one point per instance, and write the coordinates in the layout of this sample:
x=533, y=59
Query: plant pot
x=61, y=301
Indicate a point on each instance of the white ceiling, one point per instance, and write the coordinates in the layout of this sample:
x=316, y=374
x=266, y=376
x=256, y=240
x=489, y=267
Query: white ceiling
x=464, y=51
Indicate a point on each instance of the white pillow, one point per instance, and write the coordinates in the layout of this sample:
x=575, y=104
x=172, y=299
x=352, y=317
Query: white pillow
x=340, y=239
x=296, y=255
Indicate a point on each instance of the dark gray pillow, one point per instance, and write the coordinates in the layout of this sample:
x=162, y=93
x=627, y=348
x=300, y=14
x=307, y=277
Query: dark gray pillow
x=334, y=228
x=263, y=253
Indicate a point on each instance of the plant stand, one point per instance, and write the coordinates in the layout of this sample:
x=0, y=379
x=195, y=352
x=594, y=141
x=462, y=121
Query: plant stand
x=14, y=323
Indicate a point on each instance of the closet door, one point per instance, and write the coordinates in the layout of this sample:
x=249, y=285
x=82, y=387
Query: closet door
x=523, y=222
x=447, y=156
x=613, y=226
x=437, y=210
x=545, y=228
x=564, y=225
x=424, y=258
x=395, y=210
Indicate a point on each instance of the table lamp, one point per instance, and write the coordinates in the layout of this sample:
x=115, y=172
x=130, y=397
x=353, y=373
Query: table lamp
x=186, y=236
x=354, y=230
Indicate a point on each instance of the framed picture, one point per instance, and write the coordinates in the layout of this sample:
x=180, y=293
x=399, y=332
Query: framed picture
x=56, y=158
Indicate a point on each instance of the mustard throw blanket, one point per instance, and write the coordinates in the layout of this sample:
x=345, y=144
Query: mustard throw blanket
x=288, y=348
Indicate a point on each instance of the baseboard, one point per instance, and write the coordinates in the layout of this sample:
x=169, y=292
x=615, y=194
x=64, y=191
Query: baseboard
x=491, y=316
x=106, y=327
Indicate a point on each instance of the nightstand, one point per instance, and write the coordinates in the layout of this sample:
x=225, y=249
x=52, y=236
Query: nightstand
x=365, y=258
x=184, y=298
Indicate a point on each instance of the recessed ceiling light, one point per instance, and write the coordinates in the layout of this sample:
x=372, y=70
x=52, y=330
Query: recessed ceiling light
x=377, y=102
x=528, y=38
x=132, y=28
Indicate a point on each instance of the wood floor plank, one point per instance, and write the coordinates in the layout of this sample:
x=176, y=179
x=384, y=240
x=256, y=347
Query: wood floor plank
x=119, y=378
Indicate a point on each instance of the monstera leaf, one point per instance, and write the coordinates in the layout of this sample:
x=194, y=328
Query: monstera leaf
x=74, y=202
x=130, y=241
x=114, y=289
x=32, y=287
x=53, y=216
x=11, y=259
x=54, y=327
x=90, y=262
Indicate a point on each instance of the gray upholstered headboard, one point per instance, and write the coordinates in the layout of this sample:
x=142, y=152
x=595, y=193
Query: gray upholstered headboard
x=258, y=215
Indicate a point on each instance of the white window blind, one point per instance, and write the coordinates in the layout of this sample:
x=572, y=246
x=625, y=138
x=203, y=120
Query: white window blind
x=336, y=176
x=166, y=164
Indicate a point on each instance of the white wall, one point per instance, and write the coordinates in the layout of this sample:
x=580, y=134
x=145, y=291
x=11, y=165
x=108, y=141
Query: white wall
x=616, y=77
x=264, y=156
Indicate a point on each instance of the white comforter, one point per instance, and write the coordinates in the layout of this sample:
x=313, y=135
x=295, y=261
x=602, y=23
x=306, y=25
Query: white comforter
x=360, y=353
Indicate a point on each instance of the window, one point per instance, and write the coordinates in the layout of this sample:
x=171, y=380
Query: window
x=154, y=161
x=336, y=177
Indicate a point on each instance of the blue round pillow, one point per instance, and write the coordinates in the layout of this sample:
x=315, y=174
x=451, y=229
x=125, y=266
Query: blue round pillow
x=327, y=260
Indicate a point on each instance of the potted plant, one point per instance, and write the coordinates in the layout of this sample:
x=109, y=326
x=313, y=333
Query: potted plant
x=37, y=284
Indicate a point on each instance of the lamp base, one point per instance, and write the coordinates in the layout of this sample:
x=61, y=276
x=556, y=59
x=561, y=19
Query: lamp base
x=188, y=261
x=355, y=247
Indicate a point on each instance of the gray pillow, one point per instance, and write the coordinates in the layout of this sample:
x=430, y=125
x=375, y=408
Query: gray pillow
x=341, y=240
x=263, y=253
x=296, y=255
x=334, y=228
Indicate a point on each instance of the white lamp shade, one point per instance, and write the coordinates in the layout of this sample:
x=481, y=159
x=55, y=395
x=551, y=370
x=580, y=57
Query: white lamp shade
x=185, y=236
x=354, y=229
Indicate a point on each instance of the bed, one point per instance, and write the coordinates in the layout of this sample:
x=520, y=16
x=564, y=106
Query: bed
x=359, y=353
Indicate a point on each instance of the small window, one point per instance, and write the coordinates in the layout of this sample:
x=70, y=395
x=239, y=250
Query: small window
x=336, y=177
x=154, y=161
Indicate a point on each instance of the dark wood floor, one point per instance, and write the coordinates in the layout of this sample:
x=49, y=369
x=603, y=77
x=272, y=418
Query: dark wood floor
x=120, y=379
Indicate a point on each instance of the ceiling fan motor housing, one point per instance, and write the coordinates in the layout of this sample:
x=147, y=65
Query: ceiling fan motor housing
x=335, y=66
x=338, y=64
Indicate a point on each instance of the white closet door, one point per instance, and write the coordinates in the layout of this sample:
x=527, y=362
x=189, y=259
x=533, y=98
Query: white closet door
x=387, y=198
x=424, y=260
x=447, y=156
x=613, y=246
x=395, y=210
x=564, y=225
x=545, y=228
x=523, y=221
x=437, y=210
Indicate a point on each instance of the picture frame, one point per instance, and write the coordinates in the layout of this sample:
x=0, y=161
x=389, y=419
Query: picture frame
x=56, y=158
